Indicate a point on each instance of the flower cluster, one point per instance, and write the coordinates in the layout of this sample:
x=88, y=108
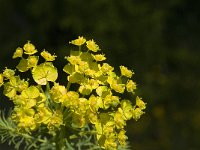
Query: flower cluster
x=91, y=97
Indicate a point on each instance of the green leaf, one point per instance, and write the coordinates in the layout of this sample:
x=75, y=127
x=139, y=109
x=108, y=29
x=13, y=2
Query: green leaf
x=74, y=53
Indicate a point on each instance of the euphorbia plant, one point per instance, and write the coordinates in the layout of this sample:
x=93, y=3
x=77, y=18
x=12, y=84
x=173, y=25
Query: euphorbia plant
x=86, y=112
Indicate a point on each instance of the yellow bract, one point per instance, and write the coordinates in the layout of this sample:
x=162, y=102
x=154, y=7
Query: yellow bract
x=44, y=72
x=23, y=65
x=18, y=53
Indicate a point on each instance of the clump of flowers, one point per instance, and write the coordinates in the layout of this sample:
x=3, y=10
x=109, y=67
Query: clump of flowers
x=86, y=112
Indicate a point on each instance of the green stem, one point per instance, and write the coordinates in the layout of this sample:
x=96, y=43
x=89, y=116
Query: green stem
x=68, y=85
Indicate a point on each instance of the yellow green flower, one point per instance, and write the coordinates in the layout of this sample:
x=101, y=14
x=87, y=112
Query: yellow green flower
x=137, y=113
x=8, y=73
x=106, y=68
x=27, y=123
x=29, y=48
x=57, y=92
x=130, y=86
x=82, y=106
x=126, y=109
x=126, y=72
x=43, y=115
x=74, y=60
x=71, y=99
x=117, y=87
x=140, y=103
x=80, y=41
x=95, y=103
x=122, y=137
x=119, y=120
x=29, y=95
x=18, y=53
x=55, y=121
x=92, y=117
x=91, y=45
x=99, y=57
x=32, y=61
x=47, y=56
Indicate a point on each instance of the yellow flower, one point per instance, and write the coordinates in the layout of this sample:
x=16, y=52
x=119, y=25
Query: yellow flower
x=130, y=86
x=126, y=109
x=80, y=41
x=8, y=73
x=92, y=116
x=137, y=113
x=126, y=72
x=91, y=45
x=55, y=121
x=32, y=61
x=43, y=115
x=122, y=137
x=95, y=103
x=117, y=87
x=106, y=68
x=18, y=53
x=27, y=123
x=119, y=120
x=47, y=56
x=74, y=60
x=140, y=103
x=99, y=57
x=29, y=48
x=57, y=92
x=70, y=99
x=110, y=100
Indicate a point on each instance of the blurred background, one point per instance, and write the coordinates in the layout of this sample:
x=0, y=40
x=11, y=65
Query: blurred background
x=159, y=40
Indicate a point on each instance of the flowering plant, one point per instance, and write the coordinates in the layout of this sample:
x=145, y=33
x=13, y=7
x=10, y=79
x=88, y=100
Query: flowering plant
x=87, y=112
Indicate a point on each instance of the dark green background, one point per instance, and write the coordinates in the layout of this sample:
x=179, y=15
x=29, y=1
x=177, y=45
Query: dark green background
x=159, y=40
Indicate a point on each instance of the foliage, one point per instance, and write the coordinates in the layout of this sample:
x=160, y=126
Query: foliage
x=89, y=111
